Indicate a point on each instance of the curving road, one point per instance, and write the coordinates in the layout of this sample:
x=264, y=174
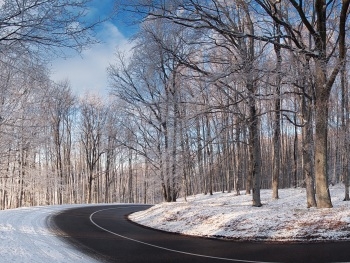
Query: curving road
x=105, y=233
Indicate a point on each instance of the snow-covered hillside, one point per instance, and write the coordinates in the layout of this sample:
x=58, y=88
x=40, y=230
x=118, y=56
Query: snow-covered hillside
x=25, y=237
x=228, y=216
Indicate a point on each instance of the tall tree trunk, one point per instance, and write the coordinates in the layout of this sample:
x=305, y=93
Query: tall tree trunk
x=321, y=137
x=237, y=162
x=345, y=131
x=130, y=179
x=227, y=154
x=176, y=114
x=248, y=161
x=205, y=158
x=295, y=155
x=185, y=155
x=107, y=172
x=307, y=138
x=145, y=181
x=90, y=181
x=345, y=92
x=321, y=176
x=254, y=147
x=210, y=156
x=277, y=122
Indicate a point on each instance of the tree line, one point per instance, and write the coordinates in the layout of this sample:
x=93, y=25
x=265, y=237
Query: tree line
x=215, y=96
x=54, y=147
x=240, y=94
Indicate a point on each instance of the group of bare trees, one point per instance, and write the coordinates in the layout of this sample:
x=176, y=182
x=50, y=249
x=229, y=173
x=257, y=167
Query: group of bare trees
x=239, y=94
x=54, y=148
x=217, y=95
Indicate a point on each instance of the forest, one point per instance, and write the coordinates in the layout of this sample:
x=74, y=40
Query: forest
x=216, y=95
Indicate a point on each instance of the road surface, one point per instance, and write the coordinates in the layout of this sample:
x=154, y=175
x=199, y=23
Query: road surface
x=104, y=232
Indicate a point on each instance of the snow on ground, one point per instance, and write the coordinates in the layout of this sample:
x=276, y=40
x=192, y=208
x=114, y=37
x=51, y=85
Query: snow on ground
x=224, y=215
x=25, y=237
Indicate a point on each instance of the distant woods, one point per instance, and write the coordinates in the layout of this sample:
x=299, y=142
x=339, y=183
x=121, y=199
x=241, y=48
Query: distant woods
x=230, y=96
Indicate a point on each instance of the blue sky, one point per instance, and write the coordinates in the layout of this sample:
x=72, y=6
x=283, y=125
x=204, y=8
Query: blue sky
x=87, y=71
x=123, y=20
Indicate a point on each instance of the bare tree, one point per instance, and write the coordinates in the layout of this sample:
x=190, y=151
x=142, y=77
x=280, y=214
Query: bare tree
x=42, y=26
x=60, y=105
x=93, y=120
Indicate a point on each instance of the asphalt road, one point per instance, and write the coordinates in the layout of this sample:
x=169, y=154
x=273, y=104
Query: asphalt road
x=105, y=233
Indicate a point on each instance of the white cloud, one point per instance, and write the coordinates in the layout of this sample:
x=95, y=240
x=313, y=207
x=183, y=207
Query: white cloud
x=87, y=72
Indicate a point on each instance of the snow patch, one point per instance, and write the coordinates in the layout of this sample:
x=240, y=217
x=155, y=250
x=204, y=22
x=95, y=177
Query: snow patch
x=228, y=216
x=25, y=237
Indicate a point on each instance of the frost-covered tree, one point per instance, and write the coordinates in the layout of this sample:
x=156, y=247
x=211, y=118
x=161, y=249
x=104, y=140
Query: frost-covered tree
x=40, y=26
